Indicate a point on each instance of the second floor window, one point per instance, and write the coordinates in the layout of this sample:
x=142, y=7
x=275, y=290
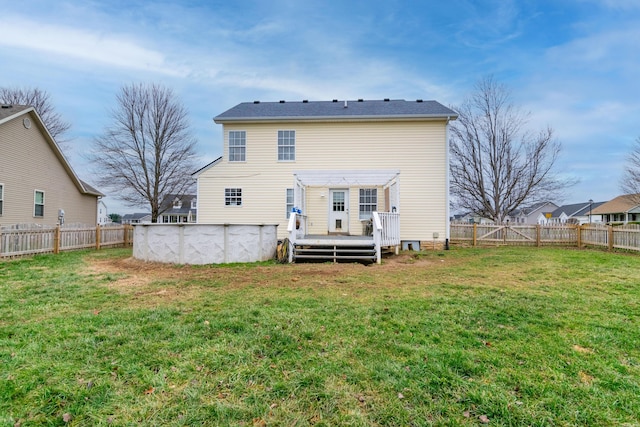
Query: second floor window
x=286, y=145
x=237, y=145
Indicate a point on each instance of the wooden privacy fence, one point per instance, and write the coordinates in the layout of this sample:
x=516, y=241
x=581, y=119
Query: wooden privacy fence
x=18, y=242
x=621, y=237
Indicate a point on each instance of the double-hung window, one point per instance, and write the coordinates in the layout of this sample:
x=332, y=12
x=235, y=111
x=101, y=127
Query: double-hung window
x=368, y=202
x=286, y=145
x=237, y=145
x=38, y=209
x=1, y=198
x=289, y=201
x=233, y=196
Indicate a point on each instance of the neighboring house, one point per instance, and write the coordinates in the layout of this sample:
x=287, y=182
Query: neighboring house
x=37, y=183
x=622, y=209
x=471, y=218
x=177, y=209
x=577, y=213
x=335, y=161
x=103, y=215
x=538, y=213
x=136, y=218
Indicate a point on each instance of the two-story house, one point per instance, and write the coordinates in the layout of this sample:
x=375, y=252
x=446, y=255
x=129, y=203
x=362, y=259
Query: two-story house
x=335, y=162
x=37, y=183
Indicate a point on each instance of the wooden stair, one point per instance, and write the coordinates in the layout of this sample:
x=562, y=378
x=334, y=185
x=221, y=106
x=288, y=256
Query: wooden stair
x=335, y=251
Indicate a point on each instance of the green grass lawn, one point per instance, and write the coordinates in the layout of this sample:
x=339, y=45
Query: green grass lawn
x=508, y=336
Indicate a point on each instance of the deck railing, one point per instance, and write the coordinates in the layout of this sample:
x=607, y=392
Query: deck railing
x=386, y=231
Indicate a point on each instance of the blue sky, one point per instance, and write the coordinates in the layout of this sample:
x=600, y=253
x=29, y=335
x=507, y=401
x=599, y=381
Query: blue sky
x=574, y=64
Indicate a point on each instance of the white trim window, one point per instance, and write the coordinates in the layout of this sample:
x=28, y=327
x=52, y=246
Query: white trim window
x=233, y=196
x=38, y=203
x=286, y=145
x=1, y=198
x=194, y=203
x=237, y=145
x=289, y=204
x=368, y=202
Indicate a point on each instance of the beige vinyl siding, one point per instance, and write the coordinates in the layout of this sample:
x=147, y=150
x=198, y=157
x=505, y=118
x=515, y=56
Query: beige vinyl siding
x=28, y=163
x=416, y=148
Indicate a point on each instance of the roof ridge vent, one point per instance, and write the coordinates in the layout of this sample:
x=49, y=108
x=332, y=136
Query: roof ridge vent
x=305, y=101
x=7, y=106
x=256, y=102
x=418, y=100
x=360, y=99
x=282, y=101
x=335, y=100
x=386, y=100
x=345, y=103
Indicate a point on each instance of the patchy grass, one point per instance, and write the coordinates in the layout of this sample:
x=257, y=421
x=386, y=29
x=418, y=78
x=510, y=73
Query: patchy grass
x=509, y=336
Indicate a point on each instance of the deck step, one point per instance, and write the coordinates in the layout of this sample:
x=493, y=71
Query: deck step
x=346, y=252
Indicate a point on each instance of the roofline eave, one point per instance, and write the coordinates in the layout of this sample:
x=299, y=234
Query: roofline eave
x=407, y=117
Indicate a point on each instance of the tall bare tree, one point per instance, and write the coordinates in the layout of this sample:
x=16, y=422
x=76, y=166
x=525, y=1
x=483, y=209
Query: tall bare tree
x=630, y=182
x=497, y=165
x=39, y=99
x=147, y=152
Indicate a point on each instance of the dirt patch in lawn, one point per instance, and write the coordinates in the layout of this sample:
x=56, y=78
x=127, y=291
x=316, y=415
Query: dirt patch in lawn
x=157, y=281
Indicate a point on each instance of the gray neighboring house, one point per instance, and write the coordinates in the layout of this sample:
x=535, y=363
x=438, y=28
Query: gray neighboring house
x=137, y=218
x=577, y=213
x=178, y=209
x=538, y=213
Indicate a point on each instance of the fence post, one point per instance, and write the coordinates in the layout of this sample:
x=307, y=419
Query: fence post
x=538, y=239
x=579, y=236
x=610, y=235
x=475, y=233
x=126, y=235
x=98, y=237
x=56, y=240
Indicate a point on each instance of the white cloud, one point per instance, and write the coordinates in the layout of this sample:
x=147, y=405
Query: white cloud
x=117, y=50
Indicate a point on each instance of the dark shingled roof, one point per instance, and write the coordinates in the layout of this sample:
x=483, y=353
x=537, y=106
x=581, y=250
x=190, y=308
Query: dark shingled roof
x=7, y=110
x=323, y=110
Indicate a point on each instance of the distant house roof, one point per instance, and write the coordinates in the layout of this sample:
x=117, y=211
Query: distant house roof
x=10, y=112
x=166, y=207
x=527, y=210
x=135, y=216
x=621, y=204
x=336, y=110
x=576, y=209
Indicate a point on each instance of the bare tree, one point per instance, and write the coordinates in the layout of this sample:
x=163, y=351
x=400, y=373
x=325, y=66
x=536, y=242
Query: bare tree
x=497, y=165
x=39, y=99
x=630, y=182
x=148, y=151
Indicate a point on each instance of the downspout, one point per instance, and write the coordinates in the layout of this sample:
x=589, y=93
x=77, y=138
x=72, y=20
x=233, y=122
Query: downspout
x=447, y=185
